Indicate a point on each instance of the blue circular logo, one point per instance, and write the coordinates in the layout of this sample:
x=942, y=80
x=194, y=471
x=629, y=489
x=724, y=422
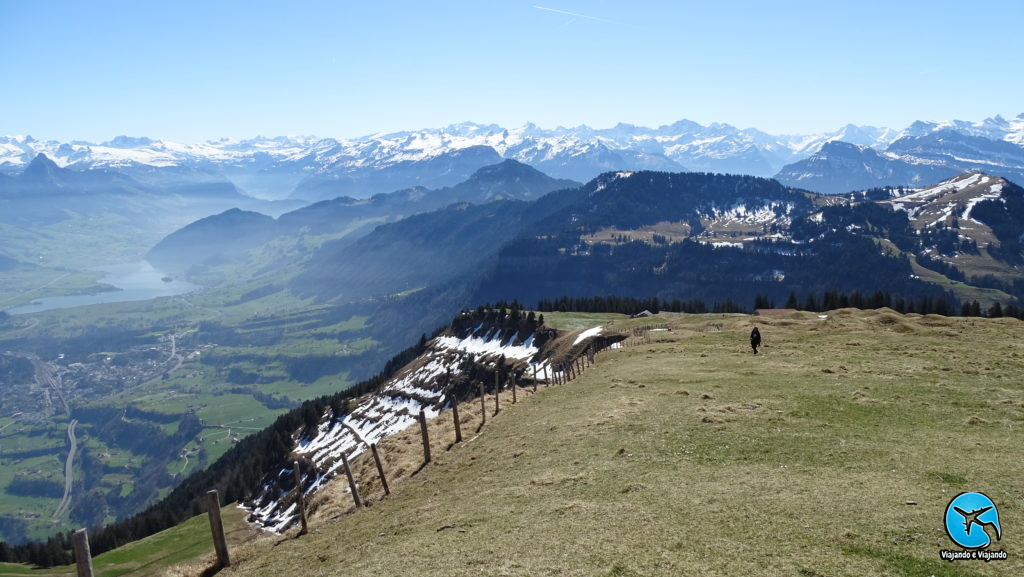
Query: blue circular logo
x=969, y=519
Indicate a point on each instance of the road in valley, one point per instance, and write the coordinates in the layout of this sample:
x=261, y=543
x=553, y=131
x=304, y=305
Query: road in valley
x=65, y=503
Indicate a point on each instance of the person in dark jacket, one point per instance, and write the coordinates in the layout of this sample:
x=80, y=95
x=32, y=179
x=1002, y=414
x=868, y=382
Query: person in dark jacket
x=755, y=339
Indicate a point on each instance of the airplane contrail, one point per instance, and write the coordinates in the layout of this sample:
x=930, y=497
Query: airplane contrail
x=578, y=15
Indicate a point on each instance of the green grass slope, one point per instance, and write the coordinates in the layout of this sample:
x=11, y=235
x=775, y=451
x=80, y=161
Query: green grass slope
x=832, y=453
x=189, y=542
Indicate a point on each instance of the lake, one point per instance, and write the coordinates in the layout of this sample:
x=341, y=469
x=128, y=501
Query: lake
x=136, y=281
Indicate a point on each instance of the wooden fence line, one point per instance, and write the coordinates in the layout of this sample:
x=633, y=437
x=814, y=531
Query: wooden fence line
x=560, y=374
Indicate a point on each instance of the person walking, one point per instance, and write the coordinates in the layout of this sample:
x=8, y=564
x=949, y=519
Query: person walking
x=755, y=339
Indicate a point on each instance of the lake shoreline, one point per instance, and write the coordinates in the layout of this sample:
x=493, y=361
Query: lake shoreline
x=132, y=281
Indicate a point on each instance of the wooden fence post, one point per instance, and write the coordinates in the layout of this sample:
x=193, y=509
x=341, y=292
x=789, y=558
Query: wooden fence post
x=426, y=438
x=83, y=557
x=455, y=405
x=351, y=482
x=301, y=499
x=513, y=377
x=497, y=392
x=455, y=419
x=380, y=468
x=483, y=406
x=220, y=544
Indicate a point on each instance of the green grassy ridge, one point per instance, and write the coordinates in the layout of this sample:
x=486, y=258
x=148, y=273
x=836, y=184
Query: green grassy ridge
x=190, y=541
x=691, y=456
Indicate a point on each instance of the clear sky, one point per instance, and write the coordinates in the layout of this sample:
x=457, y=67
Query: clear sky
x=194, y=70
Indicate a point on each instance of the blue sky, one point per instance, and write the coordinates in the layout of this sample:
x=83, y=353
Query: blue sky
x=189, y=71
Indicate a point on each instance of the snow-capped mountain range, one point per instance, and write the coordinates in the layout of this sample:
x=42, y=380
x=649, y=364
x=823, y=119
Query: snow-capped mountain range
x=316, y=168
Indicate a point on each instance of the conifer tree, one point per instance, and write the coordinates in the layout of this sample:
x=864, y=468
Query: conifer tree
x=791, y=302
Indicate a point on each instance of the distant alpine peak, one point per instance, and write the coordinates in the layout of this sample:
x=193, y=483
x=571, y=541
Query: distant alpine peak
x=41, y=167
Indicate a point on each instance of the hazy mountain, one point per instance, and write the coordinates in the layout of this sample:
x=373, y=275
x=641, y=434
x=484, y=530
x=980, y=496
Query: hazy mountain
x=911, y=160
x=233, y=232
x=228, y=233
x=44, y=177
x=509, y=179
x=444, y=169
x=421, y=250
x=962, y=152
x=841, y=167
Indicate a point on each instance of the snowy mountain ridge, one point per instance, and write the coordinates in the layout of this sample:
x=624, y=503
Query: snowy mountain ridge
x=311, y=167
x=681, y=142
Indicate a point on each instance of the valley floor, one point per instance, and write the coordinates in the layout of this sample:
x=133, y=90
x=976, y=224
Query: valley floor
x=834, y=452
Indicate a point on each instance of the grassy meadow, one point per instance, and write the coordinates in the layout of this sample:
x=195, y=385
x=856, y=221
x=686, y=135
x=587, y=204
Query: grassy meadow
x=834, y=452
x=188, y=543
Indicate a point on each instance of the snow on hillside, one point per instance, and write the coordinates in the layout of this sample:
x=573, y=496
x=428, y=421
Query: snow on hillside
x=955, y=184
x=394, y=408
x=593, y=332
x=741, y=214
x=956, y=196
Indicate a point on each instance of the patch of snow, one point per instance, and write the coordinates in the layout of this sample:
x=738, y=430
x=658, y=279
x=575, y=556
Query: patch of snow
x=995, y=191
x=394, y=408
x=592, y=332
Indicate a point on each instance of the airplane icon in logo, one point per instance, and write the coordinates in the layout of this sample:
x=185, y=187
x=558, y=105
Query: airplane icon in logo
x=971, y=518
